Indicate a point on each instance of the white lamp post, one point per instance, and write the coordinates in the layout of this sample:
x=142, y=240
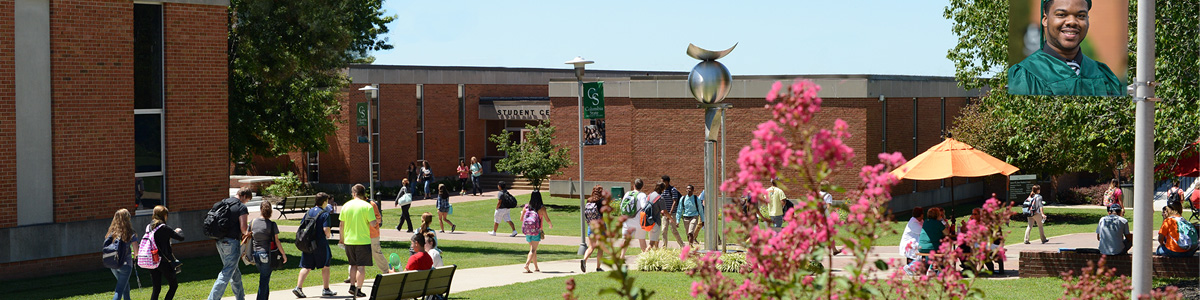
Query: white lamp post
x=372, y=94
x=579, y=63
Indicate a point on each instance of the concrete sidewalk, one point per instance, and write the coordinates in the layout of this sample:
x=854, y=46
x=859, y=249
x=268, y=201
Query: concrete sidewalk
x=389, y=202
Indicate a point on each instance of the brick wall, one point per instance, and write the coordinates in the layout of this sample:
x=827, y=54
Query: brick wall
x=91, y=261
x=197, y=107
x=92, y=73
x=1053, y=264
x=648, y=138
x=8, y=122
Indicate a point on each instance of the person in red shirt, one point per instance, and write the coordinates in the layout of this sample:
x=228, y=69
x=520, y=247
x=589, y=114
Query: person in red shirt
x=419, y=260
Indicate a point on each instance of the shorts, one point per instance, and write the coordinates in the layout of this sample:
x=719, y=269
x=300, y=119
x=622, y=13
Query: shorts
x=533, y=238
x=318, y=258
x=691, y=224
x=631, y=228
x=777, y=221
x=655, y=233
x=501, y=215
x=359, y=255
x=444, y=209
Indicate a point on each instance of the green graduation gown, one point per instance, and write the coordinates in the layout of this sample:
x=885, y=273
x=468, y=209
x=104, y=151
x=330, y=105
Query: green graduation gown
x=1044, y=74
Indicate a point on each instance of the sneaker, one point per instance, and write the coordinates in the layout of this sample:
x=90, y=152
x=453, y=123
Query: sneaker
x=298, y=293
x=599, y=270
x=439, y=231
x=1027, y=242
x=491, y=233
x=347, y=281
x=1045, y=241
x=513, y=234
x=328, y=293
x=583, y=265
x=452, y=227
x=355, y=292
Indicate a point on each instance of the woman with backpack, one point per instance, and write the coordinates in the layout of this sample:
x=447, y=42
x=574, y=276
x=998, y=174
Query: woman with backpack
x=160, y=235
x=443, y=208
x=320, y=257
x=1113, y=195
x=1036, y=217
x=121, y=232
x=263, y=234
x=405, y=218
x=1176, y=236
x=591, y=212
x=531, y=225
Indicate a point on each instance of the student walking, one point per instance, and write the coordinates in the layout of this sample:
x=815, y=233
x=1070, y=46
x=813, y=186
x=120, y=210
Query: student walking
x=652, y=201
x=404, y=201
x=160, y=235
x=591, y=213
x=504, y=202
x=1113, y=194
x=426, y=176
x=264, y=236
x=443, y=207
x=1036, y=216
x=412, y=177
x=531, y=224
x=476, y=173
x=775, y=198
x=463, y=176
x=630, y=204
x=670, y=205
x=357, y=218
x=120, y=232
x=320, y=257
x=691, y=214
x=229, y=248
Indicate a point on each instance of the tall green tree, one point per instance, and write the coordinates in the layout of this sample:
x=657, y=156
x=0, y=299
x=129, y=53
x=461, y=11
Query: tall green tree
x=286, y=69
x=1055, y=135
x=536, y=158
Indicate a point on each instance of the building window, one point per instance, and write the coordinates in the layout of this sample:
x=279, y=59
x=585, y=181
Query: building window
x=312, y=166
x=420, y=122
x=462, y=123
x=148, y=118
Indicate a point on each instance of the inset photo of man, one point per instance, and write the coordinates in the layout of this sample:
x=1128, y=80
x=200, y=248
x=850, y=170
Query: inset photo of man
x=1059, y=55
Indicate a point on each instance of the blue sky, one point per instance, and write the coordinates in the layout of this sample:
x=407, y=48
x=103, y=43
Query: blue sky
x=774, y=37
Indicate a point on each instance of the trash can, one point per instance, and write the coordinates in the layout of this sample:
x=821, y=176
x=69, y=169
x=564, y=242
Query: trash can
x=1127, y=195
x=617, y=191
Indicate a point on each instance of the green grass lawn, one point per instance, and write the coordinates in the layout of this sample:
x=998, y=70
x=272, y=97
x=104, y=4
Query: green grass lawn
x=199, y=273
x=678, y=286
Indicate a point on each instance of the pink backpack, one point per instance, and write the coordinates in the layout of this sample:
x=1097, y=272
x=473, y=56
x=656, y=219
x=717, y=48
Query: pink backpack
x=147, y=255
x=531, y=222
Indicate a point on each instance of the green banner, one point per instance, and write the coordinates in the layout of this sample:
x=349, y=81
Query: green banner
x=593, y=100
x=363, y=112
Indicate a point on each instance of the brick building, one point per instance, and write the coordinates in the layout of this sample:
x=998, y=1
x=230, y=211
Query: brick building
x=443, y=114
x=102, y=101
x=654, y=127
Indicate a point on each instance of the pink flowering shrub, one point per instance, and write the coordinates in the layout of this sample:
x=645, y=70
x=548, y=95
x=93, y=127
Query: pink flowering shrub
x=1098, y=282
x=795, y=262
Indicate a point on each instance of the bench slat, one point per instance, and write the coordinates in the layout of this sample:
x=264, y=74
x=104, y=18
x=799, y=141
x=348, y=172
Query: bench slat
x=387, y=286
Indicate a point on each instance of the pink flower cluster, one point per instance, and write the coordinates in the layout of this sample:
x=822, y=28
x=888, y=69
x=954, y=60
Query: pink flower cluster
x=1098, y=282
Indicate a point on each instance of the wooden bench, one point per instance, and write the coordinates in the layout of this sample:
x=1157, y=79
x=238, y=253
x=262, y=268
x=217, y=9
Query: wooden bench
x=1054, y=263
x=413, y=284
x=295, y=204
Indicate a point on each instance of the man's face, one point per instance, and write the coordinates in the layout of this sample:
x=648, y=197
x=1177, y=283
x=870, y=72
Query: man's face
x=690, y=190
x=1066, y=23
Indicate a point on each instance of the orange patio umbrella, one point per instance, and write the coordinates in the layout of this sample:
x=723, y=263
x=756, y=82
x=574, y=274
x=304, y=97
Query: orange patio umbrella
x=949, y=159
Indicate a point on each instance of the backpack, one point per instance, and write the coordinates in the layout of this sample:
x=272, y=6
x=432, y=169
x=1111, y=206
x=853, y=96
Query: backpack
x=1026, y=206
x=507, y=200
x=111, y=255
x=531, y=223
x=650, y=214
x=1173, y=196
x=1187, y=234
x=217, y=223
x=147, y=255
x=788, y=205
x=591, y=211
x=629, y=204
x=309, y=232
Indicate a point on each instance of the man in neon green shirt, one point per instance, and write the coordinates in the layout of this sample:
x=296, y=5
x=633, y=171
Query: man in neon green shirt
x=1060, y=68
x=356, y=221
x=775, y=206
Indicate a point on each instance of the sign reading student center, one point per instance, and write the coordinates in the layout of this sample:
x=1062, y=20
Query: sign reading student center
x=593, y=100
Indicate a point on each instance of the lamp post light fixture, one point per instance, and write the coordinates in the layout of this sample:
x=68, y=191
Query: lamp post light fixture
x=579, y=64
x=372, y=94
x=709, y=83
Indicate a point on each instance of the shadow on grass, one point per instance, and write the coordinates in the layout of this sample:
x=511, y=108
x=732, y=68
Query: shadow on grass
x=562, y=208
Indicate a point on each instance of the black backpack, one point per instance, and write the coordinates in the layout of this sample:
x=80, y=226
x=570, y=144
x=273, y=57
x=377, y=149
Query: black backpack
x=653, y=214
x=111, y=253
x=217, y=222
x=788, y=205
x=1174, y=197
x=591, y=211
x=507, y=200
x=308, y=233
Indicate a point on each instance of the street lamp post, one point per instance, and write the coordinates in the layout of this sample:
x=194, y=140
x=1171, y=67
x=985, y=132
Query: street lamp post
x=372, y=94
x=579, y=63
